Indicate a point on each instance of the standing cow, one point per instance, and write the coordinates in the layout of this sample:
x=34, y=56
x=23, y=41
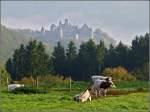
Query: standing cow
x=101, y=84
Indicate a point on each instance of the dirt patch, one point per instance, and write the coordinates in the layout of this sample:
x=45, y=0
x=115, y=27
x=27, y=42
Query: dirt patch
x=115, y=92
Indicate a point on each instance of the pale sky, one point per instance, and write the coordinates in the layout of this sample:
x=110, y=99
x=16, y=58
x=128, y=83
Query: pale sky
x=122, y=20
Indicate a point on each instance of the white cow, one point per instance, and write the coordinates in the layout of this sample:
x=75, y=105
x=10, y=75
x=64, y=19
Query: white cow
x=95, y=77
x=84, y=96
x=101, y=84
x=12, y=87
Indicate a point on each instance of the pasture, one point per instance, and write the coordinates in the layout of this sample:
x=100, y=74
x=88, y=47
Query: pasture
x=57, y=100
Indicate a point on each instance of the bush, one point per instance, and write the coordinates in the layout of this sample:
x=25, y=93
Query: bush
x=53, y=79
x=119, y=73
x=49, y=79
x=29, y=90
x=4, y=77
x=27, y=80
x=45, y=82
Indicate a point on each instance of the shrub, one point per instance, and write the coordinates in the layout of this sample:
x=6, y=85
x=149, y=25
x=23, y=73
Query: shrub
x=119, y=73
x=29, y=90
x=4, y=77
x=53, y=79
x=27, y=81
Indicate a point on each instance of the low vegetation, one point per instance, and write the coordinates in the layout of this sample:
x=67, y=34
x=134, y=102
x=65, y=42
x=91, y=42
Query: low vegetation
x=29, y=90
x=119, y=74
x=56, y=101
x=4, y=76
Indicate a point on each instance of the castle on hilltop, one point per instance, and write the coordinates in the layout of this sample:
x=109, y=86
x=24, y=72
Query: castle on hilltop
x=66, y=30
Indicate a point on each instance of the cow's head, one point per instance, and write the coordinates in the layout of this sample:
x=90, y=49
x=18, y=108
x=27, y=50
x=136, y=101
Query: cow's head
x=107, y=83
x=111, y=83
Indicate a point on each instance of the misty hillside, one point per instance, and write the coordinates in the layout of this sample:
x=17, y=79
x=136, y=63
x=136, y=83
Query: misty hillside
x=10, y=40
x=64, y=32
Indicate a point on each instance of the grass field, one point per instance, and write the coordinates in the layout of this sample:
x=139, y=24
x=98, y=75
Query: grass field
x=62, y=101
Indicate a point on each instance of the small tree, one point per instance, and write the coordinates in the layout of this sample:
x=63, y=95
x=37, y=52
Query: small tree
x=119, y=73
x=4, y=77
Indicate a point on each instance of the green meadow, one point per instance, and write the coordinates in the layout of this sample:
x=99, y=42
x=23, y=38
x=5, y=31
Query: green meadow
x=62, y=101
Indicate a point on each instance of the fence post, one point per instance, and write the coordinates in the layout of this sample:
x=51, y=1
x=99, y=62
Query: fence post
x=70, y=83
x=7, y=82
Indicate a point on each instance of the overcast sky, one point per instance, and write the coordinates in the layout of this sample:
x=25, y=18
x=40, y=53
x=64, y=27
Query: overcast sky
x=122, y=20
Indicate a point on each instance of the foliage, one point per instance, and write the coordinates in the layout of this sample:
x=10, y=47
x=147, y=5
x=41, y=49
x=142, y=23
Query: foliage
x=4, y=77
x=48, y=81
x=140, y=50
x=134, y=58
x=117, y=56
x=118, y=73
x=143, y=72
x=71, y=56
x=100, y=55
x=54, y=79
x=90, y=59
x=140, y=56
x=29, y=90
x=11, y=39
x=27, y=81
x=58, y=59
x=86, y=60
x=28, y=60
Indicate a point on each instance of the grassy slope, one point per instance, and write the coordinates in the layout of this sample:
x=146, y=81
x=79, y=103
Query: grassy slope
x=62, y=101
x=119, y=85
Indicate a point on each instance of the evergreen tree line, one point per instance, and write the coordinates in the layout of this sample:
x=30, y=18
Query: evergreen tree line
x=29, y=60
x=90, y=59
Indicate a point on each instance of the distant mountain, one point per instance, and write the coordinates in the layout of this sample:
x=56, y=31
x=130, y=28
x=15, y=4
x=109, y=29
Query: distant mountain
x=65, y=32
x=10, y=40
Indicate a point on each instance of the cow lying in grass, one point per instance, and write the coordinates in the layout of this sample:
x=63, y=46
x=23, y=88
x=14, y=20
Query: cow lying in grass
x=84, y=96
x=12, y=87
x=101, y=84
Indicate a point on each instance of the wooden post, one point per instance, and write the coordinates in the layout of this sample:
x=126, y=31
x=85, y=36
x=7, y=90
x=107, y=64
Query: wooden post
x=37, y=82
x=7, y=82
x=70, y=83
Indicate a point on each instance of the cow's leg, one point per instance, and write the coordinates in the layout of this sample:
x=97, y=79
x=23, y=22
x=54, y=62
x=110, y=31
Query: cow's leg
x=99, y=92
x=105, y=92
x=96, y=92
x=102, y=92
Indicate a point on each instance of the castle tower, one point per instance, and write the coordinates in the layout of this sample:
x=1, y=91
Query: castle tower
x=92, y=36
x=77, y=37
x=60, y=24
x=66, y=22
x=42, y=30
x=61, y=33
